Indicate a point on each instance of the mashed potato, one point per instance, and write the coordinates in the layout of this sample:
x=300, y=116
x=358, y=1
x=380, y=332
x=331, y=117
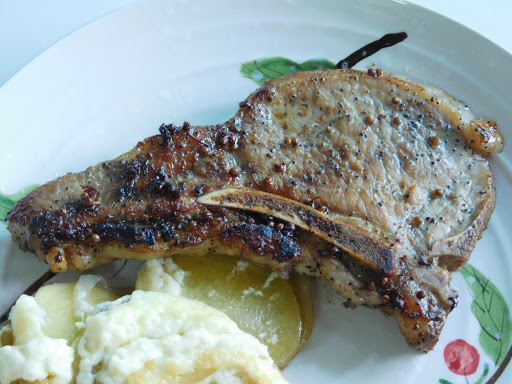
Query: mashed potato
x=33, y=356
x=156, y=336
x=147, y=337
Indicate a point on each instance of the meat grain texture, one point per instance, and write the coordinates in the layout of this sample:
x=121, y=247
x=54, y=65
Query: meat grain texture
x=377, y=183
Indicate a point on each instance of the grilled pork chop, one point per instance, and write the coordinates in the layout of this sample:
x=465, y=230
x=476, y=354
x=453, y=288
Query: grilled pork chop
x=375, y=182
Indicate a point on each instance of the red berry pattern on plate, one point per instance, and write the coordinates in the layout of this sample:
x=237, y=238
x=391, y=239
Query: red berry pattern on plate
x=461, y=357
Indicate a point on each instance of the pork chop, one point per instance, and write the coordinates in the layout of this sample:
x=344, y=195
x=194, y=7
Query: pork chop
x=377, y=183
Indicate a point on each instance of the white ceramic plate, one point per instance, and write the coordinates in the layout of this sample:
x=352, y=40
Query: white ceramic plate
x=96, y=93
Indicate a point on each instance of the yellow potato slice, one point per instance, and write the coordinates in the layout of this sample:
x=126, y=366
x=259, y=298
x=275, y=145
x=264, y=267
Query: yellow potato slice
x=277, y=311
x=53, y=313
x=6, y=336
x=58, y=301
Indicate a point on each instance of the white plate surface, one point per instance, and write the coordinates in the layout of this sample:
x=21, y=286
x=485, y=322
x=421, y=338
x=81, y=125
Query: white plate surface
x=96, y=93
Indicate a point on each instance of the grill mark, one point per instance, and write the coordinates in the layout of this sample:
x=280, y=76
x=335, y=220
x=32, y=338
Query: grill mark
x=264, y=240
x=171, y=230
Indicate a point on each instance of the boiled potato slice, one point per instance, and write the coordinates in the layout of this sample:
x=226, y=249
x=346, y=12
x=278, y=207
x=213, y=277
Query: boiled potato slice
x=58, y=301
x=275, y=310
x=6, y=336
x=57, y=309
x=304, y=296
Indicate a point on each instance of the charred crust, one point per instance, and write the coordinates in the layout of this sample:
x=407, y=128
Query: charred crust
x=89, y=195
x=132, y=169
x=161, y=185
x=264, y=240
x=53, y=230
x=167, y=131
x=199, y=190
x=128, y=191
x=165, y=225
x=50, y=228
x=126, y=234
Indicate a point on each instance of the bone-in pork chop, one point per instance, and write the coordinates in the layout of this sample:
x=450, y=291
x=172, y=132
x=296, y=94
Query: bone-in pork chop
x=378, y=183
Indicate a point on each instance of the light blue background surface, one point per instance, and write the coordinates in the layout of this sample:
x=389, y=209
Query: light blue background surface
x=28, y=27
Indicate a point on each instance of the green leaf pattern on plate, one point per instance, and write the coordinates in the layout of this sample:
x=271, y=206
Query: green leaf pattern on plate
x=491, y=311
x=7, y=202
x=264, y=70
x=484, y=374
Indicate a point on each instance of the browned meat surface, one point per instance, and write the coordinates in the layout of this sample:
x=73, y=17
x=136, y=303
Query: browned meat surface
x=375, y=182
